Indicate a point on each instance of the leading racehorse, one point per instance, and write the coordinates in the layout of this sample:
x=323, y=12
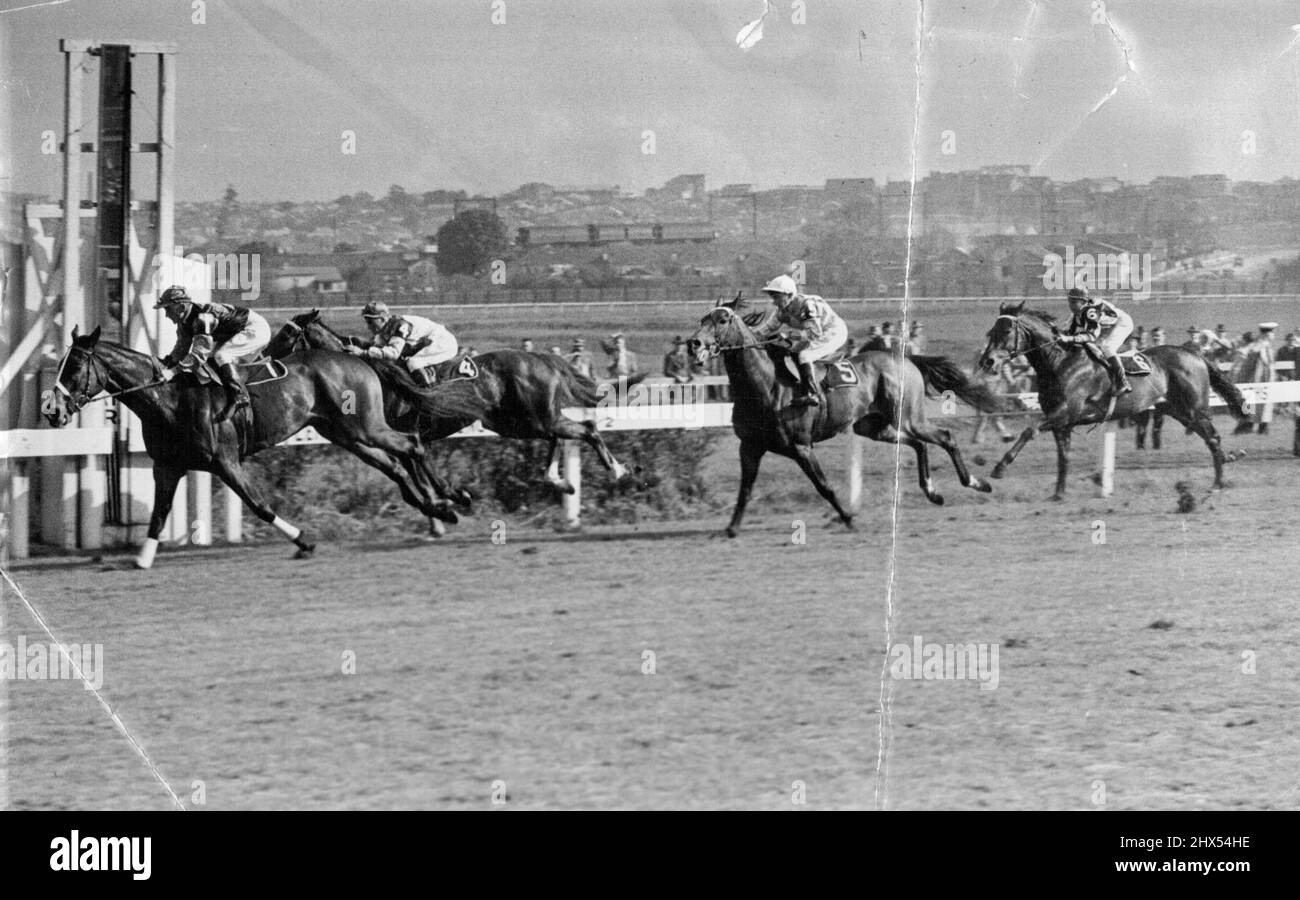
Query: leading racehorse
x=880, y=395
x=515, y=393
x=338, y=395
x=1072, y=390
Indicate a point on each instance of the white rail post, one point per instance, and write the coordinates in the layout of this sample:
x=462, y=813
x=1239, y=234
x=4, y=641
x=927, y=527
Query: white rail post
x=1108, y=460
x=177, y=526
x=573, y=474
x=19, y=509
x=855, y=471
x=92, y=487
x=200, y=488
x=234, y=516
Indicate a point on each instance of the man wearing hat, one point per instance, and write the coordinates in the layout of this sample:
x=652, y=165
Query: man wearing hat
x=817, y=330
x=417, y=342
x=219, y=331
x=677, y=363
x=915, y=340
x=1257, y=366
x=1101, y=328
x=1157, y=337
x=622, y=361
x=579, y=358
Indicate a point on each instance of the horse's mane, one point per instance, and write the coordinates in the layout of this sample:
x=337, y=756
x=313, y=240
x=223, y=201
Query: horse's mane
x=1040, y=314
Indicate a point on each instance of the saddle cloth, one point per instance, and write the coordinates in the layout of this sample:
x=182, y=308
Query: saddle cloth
x=833, y=372
x=461, y=365
x=1135, y=363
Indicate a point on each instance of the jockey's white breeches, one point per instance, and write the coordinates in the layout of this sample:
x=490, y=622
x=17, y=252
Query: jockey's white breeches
x=443, y=348
x=247, y=344
x=1113, y=338
x=819, y=348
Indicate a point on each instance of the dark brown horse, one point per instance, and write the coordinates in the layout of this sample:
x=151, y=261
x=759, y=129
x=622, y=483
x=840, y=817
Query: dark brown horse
x=517, y=394
x=1074, y=390
x=338, y=395
x=882, y=398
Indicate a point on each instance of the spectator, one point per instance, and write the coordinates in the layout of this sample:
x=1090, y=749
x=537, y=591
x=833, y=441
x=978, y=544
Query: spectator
x=872, y=339
x=556, y=351
x=579, y=358
x=916, y=340
x=1256, y=365
x=1157, y=336
x=885, y=339
x=1195, y=340
x=850, y=347
x=677, y=365
x=1290, y=352
x=527, y=345
x=622, y=361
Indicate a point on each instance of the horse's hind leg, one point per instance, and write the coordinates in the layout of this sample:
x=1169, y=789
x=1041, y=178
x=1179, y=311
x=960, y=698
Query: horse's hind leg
x=553, y=476
x=232, y=473
x=751, y=454
x=1199, y=422
x=1140, y=423
x=807, y=460
x=943, y=438
x=585, y=431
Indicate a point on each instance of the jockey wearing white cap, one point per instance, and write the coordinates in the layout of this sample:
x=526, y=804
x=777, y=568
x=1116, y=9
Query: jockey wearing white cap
x=820, y=331
x=418, y=342
x=221, y=331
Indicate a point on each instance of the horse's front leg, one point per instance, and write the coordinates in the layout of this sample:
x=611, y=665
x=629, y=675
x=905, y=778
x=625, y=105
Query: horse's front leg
x=1010, y=456
x=1062, y=436
x=165, y=480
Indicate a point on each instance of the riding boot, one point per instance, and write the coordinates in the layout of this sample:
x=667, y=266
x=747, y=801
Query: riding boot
x=810, y=391
x=236, y=393
x=1118, y=377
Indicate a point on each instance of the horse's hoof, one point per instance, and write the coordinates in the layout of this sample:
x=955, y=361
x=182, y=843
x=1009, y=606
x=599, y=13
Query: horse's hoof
x=731, y=532
x=936, y=499
x=848, y=524
x=442, y=510
x=305, y=552
x=464, y=499
x=998, y=471
x=981, y=485
x=563, y=487
x=1057, y=497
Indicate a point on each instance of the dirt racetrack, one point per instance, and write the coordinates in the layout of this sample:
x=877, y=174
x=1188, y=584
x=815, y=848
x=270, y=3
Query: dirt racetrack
x=523, y=662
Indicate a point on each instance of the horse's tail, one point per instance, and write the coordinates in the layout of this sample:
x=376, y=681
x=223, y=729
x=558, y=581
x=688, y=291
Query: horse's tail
x=450, y=400
x=1228, y=391
x=942, y=374
x=576, y=389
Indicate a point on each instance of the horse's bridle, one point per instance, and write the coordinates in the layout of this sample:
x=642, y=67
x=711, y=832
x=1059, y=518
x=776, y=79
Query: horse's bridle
x=1017, y=329
x=299, y=336
x=83, y=395
x=715, y=348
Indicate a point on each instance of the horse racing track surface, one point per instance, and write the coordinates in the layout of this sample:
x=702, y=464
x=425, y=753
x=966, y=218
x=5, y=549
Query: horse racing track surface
x=1156, y=669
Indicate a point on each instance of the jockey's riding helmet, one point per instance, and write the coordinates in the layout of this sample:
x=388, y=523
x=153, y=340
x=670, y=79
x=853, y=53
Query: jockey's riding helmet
x=375, y=309
x=781, y=284
x=174, y=294
x=1077, y=293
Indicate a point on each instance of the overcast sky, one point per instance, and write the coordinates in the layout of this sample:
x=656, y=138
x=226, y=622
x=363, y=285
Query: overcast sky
x=562, y=92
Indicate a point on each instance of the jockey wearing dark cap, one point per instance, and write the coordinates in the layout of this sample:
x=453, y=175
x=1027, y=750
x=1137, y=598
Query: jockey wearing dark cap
x=1101, y=328
x=219, y=331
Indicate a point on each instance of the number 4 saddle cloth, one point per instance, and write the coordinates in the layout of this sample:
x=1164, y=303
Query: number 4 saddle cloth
x=459, y=367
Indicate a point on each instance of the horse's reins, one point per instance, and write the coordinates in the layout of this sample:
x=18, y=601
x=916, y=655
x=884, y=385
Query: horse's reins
x=1016, y=351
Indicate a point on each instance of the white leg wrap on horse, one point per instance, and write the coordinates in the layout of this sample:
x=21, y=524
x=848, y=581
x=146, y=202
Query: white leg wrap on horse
x=619, y=470
x=289, y=531
x=147, y=551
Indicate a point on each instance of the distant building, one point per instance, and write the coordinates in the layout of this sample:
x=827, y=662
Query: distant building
x=317, y=279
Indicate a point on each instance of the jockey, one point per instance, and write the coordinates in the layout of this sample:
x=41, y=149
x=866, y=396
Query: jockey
x=418, y=342
x=820, y=331
x=218, y=331
x=1101, y=327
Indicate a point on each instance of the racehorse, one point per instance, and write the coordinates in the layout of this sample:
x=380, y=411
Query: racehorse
x=336, y=394
x=1073, y=390
x=515, y=393
x=880, y=395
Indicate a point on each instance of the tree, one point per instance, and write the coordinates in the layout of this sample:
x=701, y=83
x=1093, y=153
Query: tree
x=469, y=242
x=229, y=205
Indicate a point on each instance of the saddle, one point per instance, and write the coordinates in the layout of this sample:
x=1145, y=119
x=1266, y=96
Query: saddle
x=258, y=372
